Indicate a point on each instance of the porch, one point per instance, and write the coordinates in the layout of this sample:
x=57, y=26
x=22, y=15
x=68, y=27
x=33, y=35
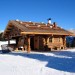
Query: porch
x=37, y=43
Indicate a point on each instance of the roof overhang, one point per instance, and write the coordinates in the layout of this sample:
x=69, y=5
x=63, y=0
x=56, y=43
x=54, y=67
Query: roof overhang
x=43, y=33
x=6, y=29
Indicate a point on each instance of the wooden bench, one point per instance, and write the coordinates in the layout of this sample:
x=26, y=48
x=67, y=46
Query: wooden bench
x=56, y=47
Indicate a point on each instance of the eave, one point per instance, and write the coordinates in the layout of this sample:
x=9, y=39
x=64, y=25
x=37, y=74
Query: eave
x=41, y=33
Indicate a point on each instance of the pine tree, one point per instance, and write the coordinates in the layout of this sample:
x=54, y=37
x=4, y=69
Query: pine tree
x=1, y=38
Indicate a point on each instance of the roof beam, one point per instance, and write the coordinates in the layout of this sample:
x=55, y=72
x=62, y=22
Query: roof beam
x=25, y=33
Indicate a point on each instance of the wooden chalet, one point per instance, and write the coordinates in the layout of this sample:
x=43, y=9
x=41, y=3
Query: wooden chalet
x=36, y=36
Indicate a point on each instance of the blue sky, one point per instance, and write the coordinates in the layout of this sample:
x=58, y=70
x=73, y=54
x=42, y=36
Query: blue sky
x=61, y=11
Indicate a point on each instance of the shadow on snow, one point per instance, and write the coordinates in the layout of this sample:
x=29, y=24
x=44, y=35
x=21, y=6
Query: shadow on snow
x=58, y=61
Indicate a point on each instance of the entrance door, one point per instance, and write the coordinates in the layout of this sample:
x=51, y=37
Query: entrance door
x=32, y=42
x=41, y=45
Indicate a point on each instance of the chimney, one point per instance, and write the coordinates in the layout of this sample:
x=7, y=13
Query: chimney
x=54, y=25
x=49, y=20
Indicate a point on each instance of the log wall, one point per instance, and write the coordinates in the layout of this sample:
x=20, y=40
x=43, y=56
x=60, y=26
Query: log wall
x=57, y=42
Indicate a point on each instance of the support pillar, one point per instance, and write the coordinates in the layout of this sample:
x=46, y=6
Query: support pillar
x=8, y=41
x=17, y=39
x=46, y=43
x=64, y=42
x=28, y=45
x=25, y=44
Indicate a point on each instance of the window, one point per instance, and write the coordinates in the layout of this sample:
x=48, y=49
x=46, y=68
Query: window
x=50, y=39
x=57, y=39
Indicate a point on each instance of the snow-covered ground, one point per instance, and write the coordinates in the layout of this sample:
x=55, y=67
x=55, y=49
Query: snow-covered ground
x=38, y=63
x=6, y=42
